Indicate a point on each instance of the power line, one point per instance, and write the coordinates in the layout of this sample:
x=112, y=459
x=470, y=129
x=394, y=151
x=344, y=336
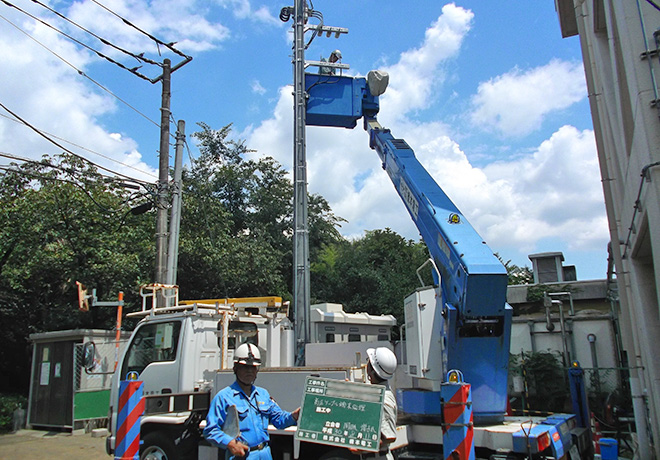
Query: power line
x=653, y=4
x=80, y=146
x=80, y=72
x=57, y=179
x=69, y=151
x=47, y=163
x=138, y=57
x=98, y=53
x=169, y=46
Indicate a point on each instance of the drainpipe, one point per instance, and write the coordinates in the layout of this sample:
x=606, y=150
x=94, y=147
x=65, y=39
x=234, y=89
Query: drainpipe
x=549, y=325
x=594, y=359
x=562, y=326
x=530, y=325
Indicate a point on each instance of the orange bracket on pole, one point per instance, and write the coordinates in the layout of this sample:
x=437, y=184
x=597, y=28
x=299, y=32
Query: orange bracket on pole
x=120, y=307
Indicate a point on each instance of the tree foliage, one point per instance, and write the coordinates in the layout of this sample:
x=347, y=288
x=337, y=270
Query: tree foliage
x=236, y=226
x=65, y=222
x=517, y=275
x=544, y=378
x=372, y=274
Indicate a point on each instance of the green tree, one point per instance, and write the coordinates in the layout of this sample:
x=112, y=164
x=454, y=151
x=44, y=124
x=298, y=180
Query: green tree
x=516, y=274
x=372, y=274
x=237, y=222
x=63, y=222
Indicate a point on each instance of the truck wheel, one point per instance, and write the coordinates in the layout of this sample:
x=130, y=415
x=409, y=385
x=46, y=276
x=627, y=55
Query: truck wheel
x=157, y=446
x=338, y=454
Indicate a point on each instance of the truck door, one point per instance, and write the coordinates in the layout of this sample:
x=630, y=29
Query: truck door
x=152, y=357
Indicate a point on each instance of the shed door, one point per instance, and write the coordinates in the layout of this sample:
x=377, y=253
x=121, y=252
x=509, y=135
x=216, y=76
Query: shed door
x=52, y=385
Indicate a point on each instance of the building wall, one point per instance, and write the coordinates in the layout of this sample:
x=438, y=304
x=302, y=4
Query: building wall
x=616, y=36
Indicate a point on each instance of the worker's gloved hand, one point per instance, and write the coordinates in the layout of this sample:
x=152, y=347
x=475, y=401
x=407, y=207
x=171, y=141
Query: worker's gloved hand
x=237, y=448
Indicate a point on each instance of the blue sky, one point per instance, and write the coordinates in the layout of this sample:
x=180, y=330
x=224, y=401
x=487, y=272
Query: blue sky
x=488, y=94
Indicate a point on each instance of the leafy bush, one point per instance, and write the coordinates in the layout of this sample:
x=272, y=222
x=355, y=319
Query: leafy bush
x=544, y=375
x=9, y=403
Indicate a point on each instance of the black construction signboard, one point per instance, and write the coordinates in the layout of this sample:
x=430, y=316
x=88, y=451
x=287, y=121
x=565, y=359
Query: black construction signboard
x=340, y=413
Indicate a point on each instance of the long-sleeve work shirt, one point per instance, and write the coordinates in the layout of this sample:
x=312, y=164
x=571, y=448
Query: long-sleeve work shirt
x=255, y=412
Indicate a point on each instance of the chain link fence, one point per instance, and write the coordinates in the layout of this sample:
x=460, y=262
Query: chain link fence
x=539, y=386
x=97, y=376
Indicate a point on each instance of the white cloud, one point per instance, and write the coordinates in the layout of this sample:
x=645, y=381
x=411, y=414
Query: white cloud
x=243, y=9
x=516, y=103
x=257, y=87
x=52, y=97
x=264, y=16
x=182, y=21
x=551, y=193
x=418, y=71
x=554, y=193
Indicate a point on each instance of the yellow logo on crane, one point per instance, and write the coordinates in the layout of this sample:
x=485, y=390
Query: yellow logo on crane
x=454, y=218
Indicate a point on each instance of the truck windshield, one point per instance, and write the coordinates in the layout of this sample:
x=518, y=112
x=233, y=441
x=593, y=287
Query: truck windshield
x=154, y=342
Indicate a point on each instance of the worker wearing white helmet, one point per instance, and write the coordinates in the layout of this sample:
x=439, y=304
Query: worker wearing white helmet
x=255, y=408
x=381, y=365
x=334, y=57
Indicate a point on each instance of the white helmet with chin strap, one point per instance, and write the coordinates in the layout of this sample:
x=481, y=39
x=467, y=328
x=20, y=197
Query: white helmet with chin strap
x=383, y=361
x=247, y=354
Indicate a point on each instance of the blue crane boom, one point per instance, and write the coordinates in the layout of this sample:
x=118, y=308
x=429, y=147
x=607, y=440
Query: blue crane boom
x=475, y=320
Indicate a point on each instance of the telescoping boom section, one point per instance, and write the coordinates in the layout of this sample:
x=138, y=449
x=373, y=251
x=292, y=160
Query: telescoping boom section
x=471, y=319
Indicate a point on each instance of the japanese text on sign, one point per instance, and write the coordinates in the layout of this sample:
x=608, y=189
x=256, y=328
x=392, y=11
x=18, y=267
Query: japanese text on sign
x=340, y=413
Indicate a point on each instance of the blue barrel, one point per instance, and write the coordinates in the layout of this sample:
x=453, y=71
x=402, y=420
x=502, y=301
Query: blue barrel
x=609, y=448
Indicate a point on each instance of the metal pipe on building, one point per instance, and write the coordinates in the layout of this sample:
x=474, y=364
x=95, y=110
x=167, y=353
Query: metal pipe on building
x=530, y=324
x=594, y=360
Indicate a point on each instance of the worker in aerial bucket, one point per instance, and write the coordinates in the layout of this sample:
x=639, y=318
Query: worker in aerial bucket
x=334, y=57
x=253, y=409
x=381, y=365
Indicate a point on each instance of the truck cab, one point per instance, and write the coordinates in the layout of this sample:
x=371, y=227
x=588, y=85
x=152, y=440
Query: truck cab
x=183, y=354
x=178, y=349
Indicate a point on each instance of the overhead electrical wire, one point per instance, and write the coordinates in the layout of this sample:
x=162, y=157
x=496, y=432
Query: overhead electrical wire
x=80, y=72
x=81, y=147
x=138, y=57
x=129, y=178
x=12, y=168
x=98, y=53
x=169, y=46
x=48, y=164
x=653, y=4
x=59, y=179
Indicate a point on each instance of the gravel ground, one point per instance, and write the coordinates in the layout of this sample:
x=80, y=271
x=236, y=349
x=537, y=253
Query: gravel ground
x=41, y=445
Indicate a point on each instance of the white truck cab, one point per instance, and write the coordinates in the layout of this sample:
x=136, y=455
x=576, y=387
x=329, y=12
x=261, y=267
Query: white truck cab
x=183, y=354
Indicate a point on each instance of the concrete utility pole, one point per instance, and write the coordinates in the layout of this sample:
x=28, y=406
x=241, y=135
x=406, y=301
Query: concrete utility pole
x=163, y=178
x=175, y=218
x=301, y=291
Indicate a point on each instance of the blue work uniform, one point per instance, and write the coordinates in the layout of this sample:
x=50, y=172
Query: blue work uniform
x=255, y=412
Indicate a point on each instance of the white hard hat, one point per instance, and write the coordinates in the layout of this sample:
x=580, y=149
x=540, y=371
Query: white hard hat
x=248, y=354
x=336, y=53
x=383, y=361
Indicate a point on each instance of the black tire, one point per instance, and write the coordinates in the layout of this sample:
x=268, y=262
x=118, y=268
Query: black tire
x=339, y=454
x=158, y=446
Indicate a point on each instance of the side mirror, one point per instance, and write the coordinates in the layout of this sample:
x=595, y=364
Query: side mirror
x=89, y=351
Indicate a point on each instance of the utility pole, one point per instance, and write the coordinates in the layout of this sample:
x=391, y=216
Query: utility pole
x=301, y=288
x=301, y=291
x=175, y=218
x=163, y=178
